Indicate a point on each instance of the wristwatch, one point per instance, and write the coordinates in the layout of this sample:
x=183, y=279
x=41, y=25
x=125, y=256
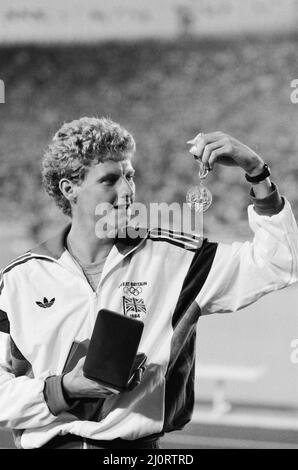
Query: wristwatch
x=261, y=177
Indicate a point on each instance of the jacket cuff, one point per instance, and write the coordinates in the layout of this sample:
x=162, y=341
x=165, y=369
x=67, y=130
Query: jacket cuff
x=54, y=396
x=269, y=205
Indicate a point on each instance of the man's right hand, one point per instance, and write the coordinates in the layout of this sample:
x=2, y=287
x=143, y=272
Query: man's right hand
x=76, y=385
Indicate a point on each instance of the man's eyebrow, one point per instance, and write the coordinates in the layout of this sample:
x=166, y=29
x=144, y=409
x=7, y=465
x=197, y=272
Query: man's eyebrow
x=109, y=175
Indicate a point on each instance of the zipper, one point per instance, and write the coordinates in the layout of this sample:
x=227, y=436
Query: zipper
x=95, y=305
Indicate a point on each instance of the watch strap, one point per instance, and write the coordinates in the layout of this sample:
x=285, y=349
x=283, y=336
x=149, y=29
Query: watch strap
x=261, y=177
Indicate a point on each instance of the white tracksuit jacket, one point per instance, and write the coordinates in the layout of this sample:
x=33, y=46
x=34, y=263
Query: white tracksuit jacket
x=46, y=304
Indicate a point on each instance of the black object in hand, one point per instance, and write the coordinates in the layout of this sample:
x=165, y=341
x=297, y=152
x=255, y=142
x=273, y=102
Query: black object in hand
x=112, y=353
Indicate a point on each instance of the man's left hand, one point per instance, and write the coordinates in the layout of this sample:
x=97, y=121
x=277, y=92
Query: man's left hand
x=220, y=148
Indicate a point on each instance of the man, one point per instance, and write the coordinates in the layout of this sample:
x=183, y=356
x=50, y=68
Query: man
x=50, y=297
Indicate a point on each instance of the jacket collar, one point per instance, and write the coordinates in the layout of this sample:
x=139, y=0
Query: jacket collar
x=55, y=246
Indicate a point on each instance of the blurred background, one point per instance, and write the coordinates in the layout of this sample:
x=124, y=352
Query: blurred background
x=166, y=70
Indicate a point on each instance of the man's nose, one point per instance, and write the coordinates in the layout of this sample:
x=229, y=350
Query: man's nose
x=126, y=190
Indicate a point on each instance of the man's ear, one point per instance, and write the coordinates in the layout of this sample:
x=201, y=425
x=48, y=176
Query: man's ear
x=68, y=189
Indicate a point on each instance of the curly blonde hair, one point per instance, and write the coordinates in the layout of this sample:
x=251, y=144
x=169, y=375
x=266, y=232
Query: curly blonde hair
x=76, y=147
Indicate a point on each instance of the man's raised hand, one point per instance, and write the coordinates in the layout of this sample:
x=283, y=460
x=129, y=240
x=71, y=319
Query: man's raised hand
x=220, y=148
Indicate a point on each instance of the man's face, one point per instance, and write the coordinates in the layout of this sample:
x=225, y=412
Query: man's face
x=109, y=182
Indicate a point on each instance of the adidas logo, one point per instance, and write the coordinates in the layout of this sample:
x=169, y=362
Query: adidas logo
x=46, y=303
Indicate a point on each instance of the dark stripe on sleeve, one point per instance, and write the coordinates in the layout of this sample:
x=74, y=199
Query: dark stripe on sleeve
x=195, y=278
x=179, y=391
x=4, y=323
x=174, y=234
x=173, y=242
x=18, y=263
